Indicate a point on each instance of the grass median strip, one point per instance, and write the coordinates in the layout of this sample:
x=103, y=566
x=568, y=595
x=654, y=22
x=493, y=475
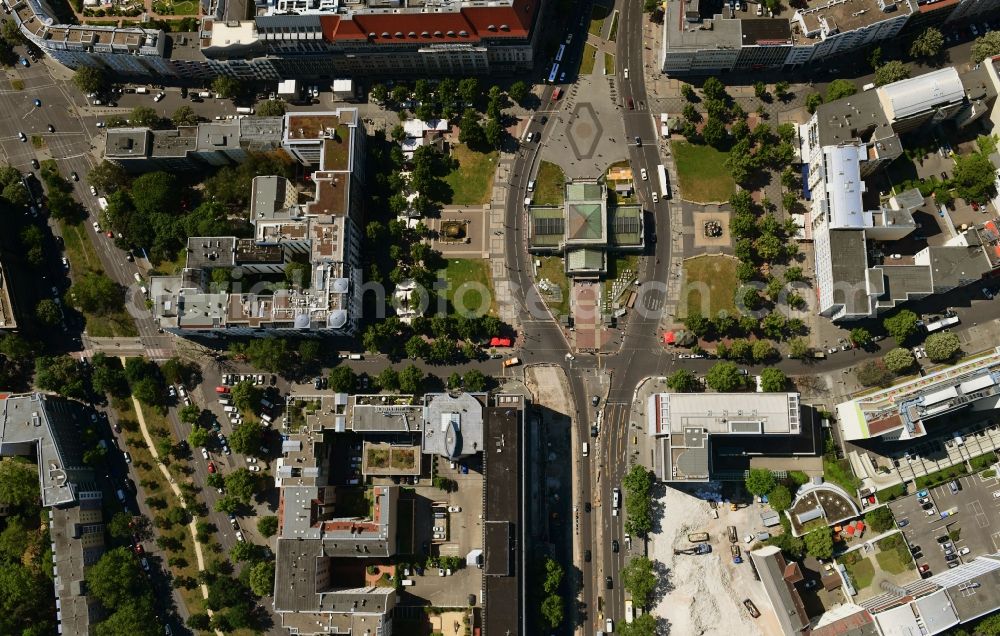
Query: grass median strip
x=609, y=64
x=588, y=60
x=173, y=538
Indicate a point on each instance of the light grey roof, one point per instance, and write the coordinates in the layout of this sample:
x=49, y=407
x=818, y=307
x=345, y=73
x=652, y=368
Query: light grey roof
x=46, y=425
x=453, y=425
x=924, y=92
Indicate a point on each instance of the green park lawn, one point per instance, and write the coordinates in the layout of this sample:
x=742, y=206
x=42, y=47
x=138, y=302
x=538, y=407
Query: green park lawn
x=714, y=275
x=553, y=269
x=609, y=64
x=597, y=16
x=82, y=257
x=862, y=572
x=475, y=273
x=703, y=175
x=472, y=180
x=549, y=185
x=588, y=60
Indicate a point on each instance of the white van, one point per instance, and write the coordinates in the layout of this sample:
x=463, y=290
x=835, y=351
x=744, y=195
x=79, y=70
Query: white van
x=142, y=90
x=586, y=449
x=407, y=582
x=137, y=278
x=229, y=409
x=356, y=356
x=267, y=418
x=225, y=401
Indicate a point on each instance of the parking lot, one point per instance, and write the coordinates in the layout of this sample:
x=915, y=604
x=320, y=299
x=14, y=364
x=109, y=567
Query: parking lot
x=976, y=520
x=462, y=527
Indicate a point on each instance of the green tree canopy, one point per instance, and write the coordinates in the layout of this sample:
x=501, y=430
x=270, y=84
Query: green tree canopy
x=985, y=46
x=760, y=481
x=683, y=381
x=411, y=380
x=779, y=498
x=840, y=88
x=89, y=79
x=901, y=325
x=262, y=578
x=880, y=519
x=115, y=579
x=928, y=44
x=343, y=379
x=226, y=87
x=184, y=116
x=246, y=395
x=270, y=108
x=60, y=374
x=873, y=373
x=267, y=526
x=898, y=360
x=96, y=293
x=942, y=346
x=18, y=483
x=773, y=380
x=241, y=484
x=891, y=71
x=973, y=177
x=247, y=438
x=724, y=377
x=819, y=542
x=639, y=579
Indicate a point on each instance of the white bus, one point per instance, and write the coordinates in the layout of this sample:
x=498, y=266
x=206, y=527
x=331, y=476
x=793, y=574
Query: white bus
x=554, y=74
x=941, y=324
x=664, y=185
x=560, y=52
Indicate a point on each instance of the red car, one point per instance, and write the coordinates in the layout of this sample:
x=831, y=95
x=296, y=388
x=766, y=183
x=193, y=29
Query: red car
x=139, y=549
x=975, y=206
x=211, y=467
x=221, y=389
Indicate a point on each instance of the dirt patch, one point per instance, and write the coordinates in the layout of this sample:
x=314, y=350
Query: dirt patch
x=703, y=594
x=550, y=388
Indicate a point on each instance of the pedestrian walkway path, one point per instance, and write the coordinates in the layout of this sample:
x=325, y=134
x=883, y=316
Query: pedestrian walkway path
x=192, y=527
x=494, y=212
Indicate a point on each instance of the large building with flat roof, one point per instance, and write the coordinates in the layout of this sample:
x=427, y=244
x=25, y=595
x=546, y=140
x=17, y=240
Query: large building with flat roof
x=906, y=411
x=320, y=584
x=303, y=39
x=322, y=232
x=706, y=37
x=848, y=140
x=710, y=436
x=209, y=144
x=46, y=430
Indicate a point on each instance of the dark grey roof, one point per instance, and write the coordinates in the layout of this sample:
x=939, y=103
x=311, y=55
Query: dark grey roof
x=207, y=252
x=898, y=283
x=502, y=513
x=296, y=587
x=860, y=115
x=765, y=31
x=953, y=266
x=849, y=270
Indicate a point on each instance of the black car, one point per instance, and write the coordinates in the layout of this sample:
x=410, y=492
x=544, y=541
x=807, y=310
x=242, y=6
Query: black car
x=608, y=582
x=586, y=556
x=34, y=164
x=638, y=141
x=586, y=506
x=593, y=430
x=950, y=557
x=544, y=119
x=614, y=545
x=52, y=128
x=74, y=176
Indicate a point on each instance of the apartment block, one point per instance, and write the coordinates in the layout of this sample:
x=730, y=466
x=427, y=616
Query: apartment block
x=188, y=148
x=305, y=39
x=346, y=444
x=699, y=39
x=322, y=232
